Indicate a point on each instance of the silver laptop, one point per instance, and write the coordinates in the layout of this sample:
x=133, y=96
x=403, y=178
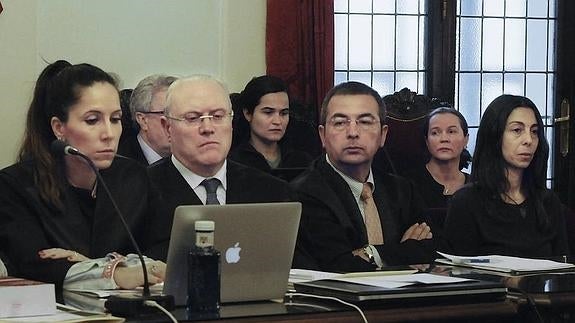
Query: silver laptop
x=256, y=242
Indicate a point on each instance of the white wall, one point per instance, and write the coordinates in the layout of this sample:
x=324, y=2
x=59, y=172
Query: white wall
x=17, y=72
x=131, y=38
x=244, y=42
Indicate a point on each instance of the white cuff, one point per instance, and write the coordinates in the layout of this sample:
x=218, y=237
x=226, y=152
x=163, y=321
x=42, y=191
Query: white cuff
x=376, y=256
x=98, y=273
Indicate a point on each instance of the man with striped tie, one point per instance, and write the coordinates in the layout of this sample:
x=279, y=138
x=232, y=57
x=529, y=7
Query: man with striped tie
x=354, y=219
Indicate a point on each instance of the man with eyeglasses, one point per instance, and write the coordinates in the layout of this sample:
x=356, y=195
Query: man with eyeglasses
x=147, y=105
x=354, y=219
x=198, y=122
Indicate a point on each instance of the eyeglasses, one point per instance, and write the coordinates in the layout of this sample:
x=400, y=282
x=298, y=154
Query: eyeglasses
x=195, y=119
x=152, y=112
x=366, y=123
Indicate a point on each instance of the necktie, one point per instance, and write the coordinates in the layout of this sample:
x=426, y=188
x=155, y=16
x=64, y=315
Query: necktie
x=372, y=221
x=211, y=185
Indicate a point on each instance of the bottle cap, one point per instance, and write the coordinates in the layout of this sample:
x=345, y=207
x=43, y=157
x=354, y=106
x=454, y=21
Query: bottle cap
x=204, y=225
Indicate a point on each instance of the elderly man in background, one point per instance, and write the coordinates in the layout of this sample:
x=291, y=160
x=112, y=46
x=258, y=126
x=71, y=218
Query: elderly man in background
x=147, y=105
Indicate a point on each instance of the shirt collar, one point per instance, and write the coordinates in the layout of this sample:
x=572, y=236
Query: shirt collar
x=151, y=155
x=355, y=186
x=194, y=180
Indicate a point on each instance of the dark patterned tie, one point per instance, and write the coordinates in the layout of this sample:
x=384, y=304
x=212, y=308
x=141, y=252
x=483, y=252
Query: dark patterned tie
x=211, y=185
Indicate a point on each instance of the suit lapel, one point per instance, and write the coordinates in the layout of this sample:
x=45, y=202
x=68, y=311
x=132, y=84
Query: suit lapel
x=179, y=191
x=235, y=191
x=385, y=210
x=347, y=210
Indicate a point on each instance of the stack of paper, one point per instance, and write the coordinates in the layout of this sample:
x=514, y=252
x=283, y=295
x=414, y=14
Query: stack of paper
x=69, y=315
x=23, y=297
x=386, y=279
x=506, y=264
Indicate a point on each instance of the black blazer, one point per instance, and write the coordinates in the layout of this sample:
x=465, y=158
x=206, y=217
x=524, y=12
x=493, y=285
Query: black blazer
x=247, y=155
x=130, y=147
x=29, y=224
x=332, y=225
x=244, y=185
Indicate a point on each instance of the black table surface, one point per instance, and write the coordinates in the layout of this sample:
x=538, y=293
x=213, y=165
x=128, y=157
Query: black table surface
x=555, y=290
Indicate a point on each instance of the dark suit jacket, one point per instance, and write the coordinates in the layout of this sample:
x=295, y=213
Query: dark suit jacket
x=244, y=185
x=247, y=155
x=28, y=224
x=332, y=225
x=130, y=147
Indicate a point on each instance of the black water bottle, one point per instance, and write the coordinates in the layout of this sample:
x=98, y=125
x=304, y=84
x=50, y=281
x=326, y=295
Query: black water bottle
x=203, y=272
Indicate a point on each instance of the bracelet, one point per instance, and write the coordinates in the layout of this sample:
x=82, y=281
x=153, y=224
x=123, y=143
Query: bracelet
x=110, y=267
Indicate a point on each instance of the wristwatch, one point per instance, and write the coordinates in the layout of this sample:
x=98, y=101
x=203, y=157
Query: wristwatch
x=366, y=253
x=369, y=254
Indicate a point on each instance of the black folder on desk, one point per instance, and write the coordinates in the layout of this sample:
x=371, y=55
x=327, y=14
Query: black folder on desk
x=456, y=292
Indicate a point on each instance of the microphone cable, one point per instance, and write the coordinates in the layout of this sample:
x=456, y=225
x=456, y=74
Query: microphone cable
x=290, y=295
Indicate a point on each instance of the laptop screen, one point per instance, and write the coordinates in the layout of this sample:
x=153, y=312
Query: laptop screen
x=256, y=242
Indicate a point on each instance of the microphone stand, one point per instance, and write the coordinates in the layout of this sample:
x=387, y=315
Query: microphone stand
x=133, y=305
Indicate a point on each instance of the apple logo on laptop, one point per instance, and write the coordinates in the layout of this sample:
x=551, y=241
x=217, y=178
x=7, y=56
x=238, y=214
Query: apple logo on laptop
x=233, y=254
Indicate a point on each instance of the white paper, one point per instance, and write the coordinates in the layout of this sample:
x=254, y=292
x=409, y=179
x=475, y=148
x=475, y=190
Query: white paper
x=396, y=281
x=508, y=264
x=68, y=314
x=303, y=275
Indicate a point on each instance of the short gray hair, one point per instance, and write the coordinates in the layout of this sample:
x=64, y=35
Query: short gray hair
x=141, y=99
x=195, y=78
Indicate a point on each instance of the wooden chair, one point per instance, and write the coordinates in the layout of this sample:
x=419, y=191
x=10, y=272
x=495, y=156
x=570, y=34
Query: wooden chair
x=405, y=146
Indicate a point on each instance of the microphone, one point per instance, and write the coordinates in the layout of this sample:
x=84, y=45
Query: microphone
x=59, y=147
x=123, y=306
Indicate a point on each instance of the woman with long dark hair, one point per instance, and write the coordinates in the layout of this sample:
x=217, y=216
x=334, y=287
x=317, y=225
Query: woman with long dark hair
x=507, y=208
x=56, y=222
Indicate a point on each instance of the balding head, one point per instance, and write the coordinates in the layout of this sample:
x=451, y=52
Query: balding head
x=203, y=145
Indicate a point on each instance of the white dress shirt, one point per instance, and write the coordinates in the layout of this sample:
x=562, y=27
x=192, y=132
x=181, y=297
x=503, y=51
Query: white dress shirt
x=195, y=181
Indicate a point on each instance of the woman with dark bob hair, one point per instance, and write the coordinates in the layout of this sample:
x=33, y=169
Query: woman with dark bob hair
x=56, y=223
x=507, y=209
x=265, y=106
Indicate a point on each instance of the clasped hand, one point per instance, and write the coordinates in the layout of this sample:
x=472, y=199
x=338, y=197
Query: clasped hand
x=418, y=231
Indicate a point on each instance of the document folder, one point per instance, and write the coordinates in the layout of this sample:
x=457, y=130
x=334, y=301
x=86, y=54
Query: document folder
x=458, y=292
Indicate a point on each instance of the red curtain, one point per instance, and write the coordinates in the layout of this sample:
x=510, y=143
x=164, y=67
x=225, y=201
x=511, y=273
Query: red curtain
x=299, y=47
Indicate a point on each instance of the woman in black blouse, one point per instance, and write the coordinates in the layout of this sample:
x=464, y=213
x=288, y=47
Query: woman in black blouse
x=446, y=135
x=507, y=208
x=265, y=106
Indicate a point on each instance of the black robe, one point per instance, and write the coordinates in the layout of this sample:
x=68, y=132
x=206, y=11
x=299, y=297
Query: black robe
x=244, y=185
x=28, y=224
x=332, y=225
